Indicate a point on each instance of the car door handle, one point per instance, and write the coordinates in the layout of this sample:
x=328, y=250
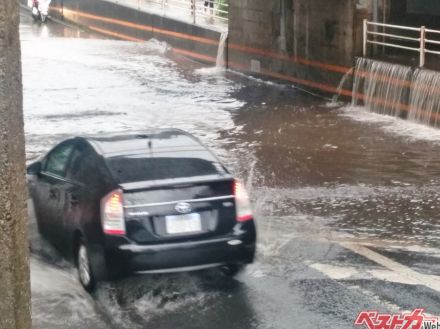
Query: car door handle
x=53, y=193
x=74, y=200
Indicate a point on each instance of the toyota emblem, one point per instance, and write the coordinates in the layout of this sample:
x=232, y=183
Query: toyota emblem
x=183, y=207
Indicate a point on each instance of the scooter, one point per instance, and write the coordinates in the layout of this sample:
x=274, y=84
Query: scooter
x=40, y=9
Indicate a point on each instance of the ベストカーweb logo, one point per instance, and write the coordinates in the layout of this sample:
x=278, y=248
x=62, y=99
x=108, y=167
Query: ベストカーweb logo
x=416, y=319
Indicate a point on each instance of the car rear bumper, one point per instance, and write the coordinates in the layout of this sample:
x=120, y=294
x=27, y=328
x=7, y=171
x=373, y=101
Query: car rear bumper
x=183, y=256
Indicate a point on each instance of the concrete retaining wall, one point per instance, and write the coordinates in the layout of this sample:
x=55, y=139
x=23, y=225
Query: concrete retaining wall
x=131, y=24
x=312, y=43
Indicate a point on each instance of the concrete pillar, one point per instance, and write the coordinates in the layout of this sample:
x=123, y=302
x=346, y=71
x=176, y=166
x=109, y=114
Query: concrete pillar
x=14, y=262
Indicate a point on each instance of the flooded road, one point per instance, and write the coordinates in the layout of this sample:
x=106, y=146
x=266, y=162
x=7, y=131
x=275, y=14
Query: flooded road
x=346, y=201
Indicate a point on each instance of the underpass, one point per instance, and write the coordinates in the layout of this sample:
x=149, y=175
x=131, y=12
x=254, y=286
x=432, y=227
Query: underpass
x=346, y=201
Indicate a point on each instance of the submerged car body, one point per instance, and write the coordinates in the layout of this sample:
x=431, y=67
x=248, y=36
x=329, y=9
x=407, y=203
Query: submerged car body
x=153, y=202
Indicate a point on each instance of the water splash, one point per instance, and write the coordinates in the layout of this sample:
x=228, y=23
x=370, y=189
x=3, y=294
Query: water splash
x=381, y=87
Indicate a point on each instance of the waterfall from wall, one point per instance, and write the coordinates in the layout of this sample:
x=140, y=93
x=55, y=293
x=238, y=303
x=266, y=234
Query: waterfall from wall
x=397, y=90
x=344, y=79
x=424, y=100
x=220, y=62
x=381, y=87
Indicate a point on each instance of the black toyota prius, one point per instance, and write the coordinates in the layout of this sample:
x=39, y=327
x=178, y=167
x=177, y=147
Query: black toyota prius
x=154, y=202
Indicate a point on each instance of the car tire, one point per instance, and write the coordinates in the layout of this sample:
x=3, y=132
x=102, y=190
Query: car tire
x=231, y=270
x=85, y=273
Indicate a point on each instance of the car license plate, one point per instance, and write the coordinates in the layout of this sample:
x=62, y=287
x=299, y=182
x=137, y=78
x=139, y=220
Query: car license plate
x=190, y=223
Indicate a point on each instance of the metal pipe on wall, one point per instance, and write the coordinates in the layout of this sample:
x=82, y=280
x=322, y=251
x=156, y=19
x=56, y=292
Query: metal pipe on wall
x=376, y=20
x=384, y=21
x=376, y=11
x=282, y=38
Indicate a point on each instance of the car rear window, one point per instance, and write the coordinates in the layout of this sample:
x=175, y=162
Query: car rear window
x=136, y=168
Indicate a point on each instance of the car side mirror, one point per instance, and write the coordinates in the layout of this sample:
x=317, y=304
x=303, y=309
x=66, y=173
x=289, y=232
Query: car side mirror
x=34, y=169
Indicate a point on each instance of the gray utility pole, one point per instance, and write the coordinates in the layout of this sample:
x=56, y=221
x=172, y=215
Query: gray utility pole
x=14, y=261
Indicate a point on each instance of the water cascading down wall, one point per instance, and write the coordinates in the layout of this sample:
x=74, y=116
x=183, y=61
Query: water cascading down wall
x=397, y=90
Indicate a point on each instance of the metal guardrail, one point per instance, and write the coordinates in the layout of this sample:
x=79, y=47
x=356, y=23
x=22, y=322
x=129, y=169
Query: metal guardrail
x=214, y=10
x=419, y=40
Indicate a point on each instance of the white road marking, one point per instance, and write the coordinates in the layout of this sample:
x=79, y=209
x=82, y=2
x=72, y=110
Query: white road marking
x=393, y=272
x=337, y=272
x=348, y=272
x=398, y=270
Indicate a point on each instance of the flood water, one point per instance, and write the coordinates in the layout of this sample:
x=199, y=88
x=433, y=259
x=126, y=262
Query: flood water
x=314, y=172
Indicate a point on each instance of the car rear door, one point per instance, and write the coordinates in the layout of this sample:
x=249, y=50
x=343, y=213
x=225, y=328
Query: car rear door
x=83, y=192
x=51, y=186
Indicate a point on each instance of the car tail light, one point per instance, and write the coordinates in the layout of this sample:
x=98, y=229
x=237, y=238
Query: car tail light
x=243, y=205
x=112, y=213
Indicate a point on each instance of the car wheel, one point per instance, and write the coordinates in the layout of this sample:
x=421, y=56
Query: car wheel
x=85, y=273
x=231, y=270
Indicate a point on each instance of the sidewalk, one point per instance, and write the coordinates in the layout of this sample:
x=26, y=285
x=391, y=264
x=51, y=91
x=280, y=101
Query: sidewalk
x=182, y=14
x=58, y=300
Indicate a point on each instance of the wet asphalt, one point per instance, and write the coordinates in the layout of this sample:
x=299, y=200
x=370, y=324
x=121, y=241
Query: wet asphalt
x=346, y=201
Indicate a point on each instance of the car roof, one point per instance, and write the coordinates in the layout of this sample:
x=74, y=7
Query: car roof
x=157, y=140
